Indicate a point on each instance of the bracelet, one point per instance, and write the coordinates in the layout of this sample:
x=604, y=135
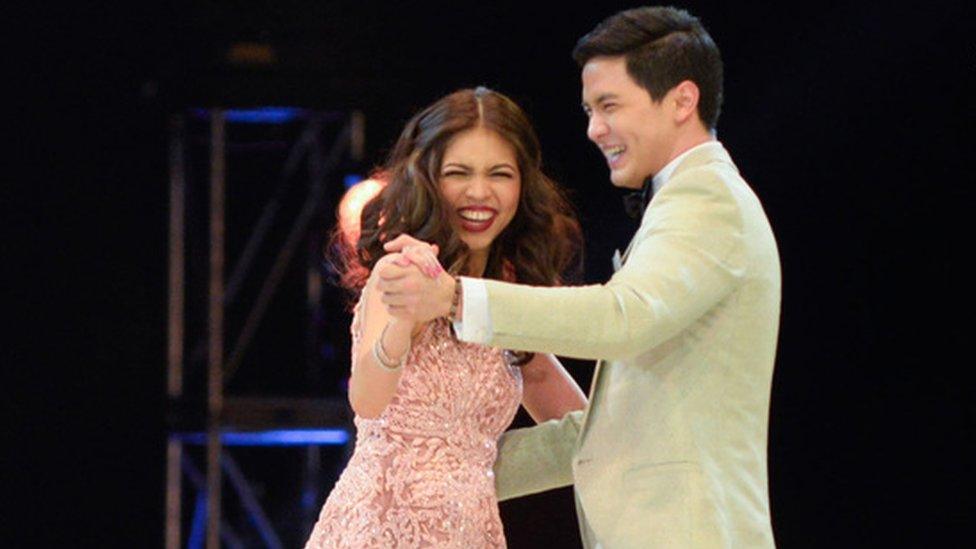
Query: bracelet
x=455, y=301
x=383, y=359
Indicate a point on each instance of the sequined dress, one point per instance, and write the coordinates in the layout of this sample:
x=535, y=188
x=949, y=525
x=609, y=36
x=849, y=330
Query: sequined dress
x=421, y=474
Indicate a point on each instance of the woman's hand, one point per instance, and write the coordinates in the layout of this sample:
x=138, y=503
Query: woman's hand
x=416, y=252
x=411, y=295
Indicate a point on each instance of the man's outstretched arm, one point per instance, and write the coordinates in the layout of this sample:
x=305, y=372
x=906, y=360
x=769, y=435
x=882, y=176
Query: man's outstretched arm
x=536, y=459
x=687, y=260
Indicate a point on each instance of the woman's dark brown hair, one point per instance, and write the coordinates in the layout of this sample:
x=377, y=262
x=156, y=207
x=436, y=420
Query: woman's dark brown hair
x=537, y=247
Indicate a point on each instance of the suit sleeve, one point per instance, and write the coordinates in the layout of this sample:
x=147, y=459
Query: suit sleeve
x=685, y=260
x=536, y=459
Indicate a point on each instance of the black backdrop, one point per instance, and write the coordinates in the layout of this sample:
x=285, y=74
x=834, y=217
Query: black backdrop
x=850, y=120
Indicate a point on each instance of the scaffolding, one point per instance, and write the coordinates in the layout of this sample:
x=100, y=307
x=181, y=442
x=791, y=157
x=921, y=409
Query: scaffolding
x=210, y=418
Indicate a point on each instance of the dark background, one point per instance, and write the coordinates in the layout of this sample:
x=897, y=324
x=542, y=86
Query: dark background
x=851, y=121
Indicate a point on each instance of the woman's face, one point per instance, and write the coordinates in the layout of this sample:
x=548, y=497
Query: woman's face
x=480, y=182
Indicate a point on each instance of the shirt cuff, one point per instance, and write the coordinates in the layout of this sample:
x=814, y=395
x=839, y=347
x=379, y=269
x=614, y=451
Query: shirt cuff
x=475, y=324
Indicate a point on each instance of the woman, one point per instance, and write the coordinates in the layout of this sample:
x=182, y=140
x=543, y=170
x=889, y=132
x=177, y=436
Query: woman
x=465, y=174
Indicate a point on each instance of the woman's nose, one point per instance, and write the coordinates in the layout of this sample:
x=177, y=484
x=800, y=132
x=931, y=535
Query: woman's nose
x=478, y=188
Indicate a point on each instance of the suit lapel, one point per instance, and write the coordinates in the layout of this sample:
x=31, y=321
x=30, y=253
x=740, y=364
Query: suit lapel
x=594, y=384
x=589, y=409
x=630, y=247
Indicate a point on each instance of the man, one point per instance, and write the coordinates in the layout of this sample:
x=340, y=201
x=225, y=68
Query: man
x=671, y=451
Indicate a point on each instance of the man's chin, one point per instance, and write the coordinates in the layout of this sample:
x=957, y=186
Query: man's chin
x=623, y=181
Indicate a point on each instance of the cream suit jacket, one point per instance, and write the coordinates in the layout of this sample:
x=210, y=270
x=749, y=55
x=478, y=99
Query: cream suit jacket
x=671, y=451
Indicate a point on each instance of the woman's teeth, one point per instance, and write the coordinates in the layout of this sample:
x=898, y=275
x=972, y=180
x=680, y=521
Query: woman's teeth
x=471, y=215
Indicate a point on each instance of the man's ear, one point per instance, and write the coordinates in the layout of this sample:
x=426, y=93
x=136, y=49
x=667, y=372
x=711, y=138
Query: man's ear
x=685, y=96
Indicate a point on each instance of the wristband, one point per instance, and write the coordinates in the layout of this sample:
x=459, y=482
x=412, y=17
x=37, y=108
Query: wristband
x=455, y=300
x=383, y=359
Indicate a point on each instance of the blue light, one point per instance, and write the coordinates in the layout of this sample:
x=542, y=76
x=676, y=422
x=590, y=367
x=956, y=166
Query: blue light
x=352, y=179
x=259, y=115
x=198, y=529
x=277, y=437
x=264, y=115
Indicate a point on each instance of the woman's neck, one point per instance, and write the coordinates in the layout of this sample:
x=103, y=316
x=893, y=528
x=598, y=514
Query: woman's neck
x=477, y=262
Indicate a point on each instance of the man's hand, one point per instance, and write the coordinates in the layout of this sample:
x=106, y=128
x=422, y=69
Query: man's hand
x=409, y=294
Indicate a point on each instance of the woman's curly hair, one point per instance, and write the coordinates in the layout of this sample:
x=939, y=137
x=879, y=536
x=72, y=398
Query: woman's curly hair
x=539, y=246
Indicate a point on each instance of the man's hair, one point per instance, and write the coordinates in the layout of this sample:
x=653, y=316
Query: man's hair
x=662, y=47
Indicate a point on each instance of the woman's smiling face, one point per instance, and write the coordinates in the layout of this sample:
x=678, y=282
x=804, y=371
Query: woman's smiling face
x=480, y=182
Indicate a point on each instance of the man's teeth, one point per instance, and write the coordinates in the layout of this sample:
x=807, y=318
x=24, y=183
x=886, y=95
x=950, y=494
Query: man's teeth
x=476, y=215
x=614, y=152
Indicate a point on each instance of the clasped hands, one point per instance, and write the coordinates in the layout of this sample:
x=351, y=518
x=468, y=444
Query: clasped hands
x=414, y=286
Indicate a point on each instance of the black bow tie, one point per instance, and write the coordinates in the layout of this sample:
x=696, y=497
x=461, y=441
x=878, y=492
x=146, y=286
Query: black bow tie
x=636, y=201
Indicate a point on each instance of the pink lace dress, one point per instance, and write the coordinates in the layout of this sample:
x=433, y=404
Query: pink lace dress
x=421, y=474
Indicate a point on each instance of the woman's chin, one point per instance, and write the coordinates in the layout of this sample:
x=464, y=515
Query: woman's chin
x=478, y=245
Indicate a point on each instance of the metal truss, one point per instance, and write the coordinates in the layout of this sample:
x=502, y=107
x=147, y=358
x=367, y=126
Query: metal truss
x=225, y=421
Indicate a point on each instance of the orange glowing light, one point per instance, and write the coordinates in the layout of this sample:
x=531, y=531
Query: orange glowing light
x=352, y=204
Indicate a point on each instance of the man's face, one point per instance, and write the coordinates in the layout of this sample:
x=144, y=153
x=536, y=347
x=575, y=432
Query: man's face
x=635, y=134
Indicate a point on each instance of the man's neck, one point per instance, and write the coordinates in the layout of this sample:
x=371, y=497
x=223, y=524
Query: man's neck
x=665, y=172
x=684, y=143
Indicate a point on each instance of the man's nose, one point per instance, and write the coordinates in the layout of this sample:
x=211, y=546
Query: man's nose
x=596, y=127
